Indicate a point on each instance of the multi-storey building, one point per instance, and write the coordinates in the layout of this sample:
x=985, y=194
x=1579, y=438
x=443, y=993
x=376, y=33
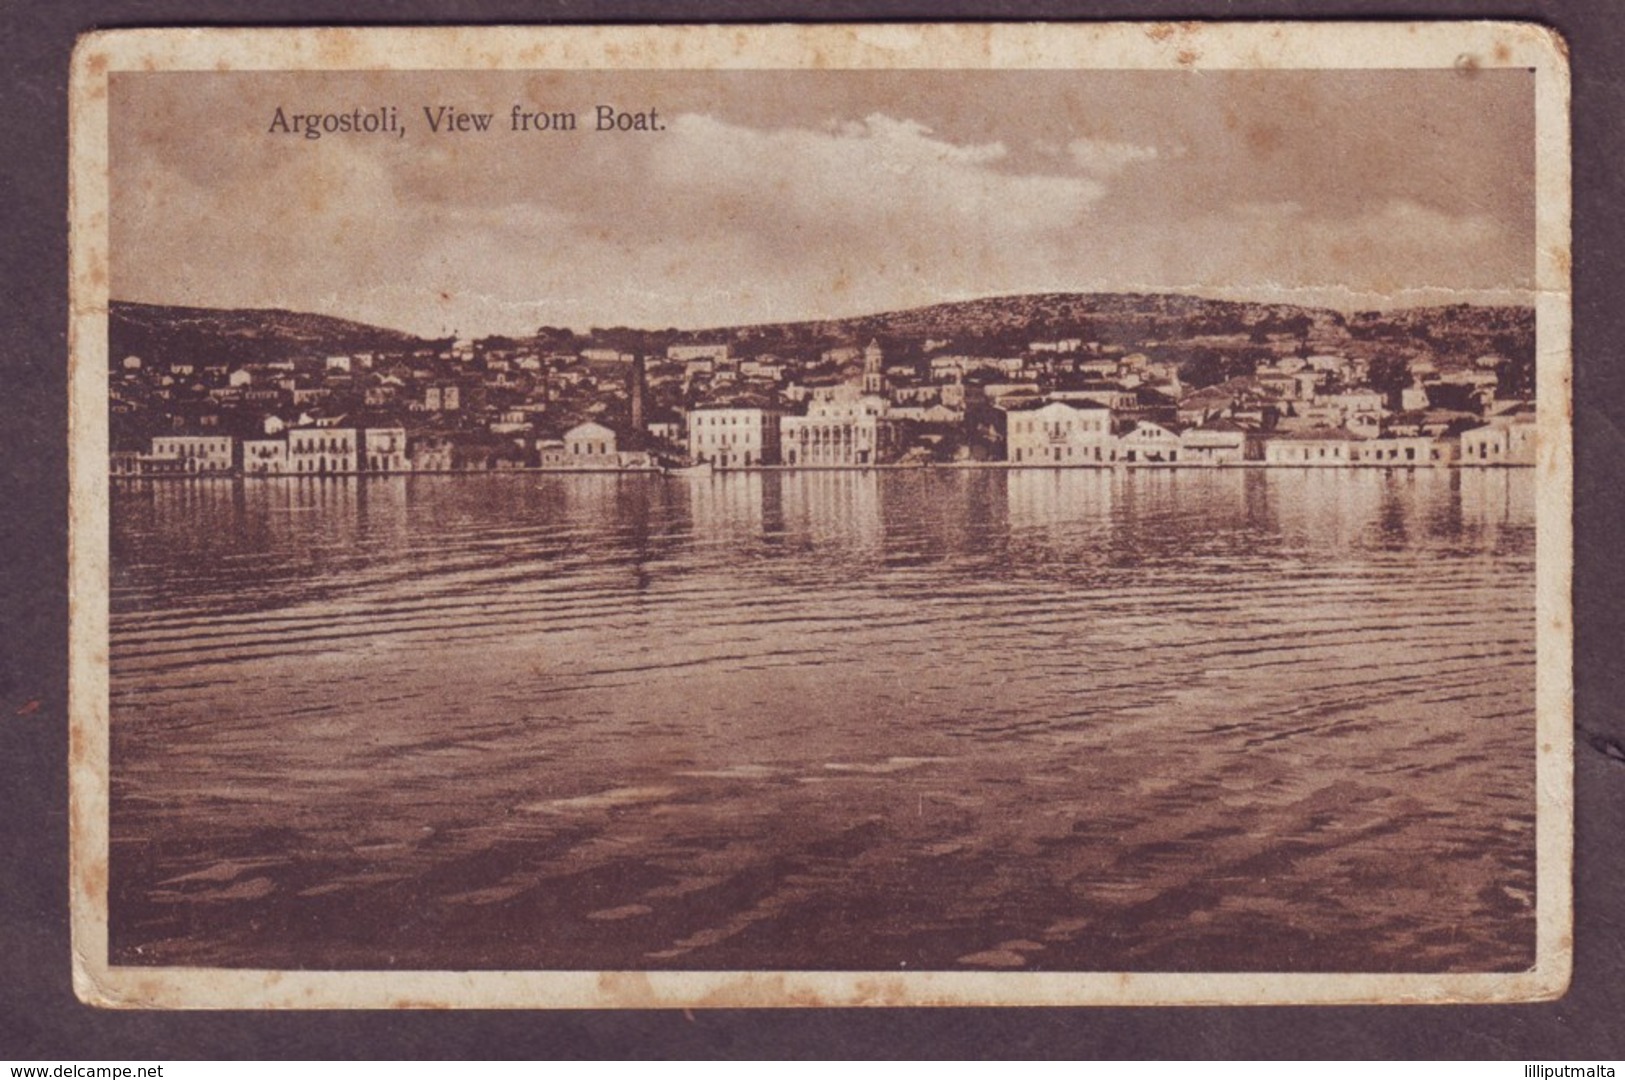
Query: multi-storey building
x=1058, y=433
x=431, y=453
x=1503, y=441
x=732, y=436
x=874, y=371
x=841, y=427
x=196, y=453
x=443, y=397
x=265, y=457
x=322, y=451
x=385, y=449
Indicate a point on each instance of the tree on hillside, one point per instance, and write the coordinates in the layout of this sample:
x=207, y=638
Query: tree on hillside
x=1203, y=367
x=1515, y=375
x=1206, y=366
x=1296, y=325
x=1389, y=374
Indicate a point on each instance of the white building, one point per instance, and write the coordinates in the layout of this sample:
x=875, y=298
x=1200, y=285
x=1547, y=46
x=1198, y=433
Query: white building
x=195, y=453
x=728, y=436
x=385, y=449
x=588, y=445
x=321, y=451
x=591, y=445
x=443, y=398
x=1058, y=433
x=1508, y=441
x=431, y=454
x=1315, y=447
x=1403, y=450
x=685, y=353
x=551, y=454
x=874, y=369
x=1217, y=442
x=1064, y=345
x=936, y=413
x=1149, y=442
x=667, y=429
x=1329, y=364
x=1009, y=394
x=265, y=457
x=1112, y=397
x=134, y=463
x=762, y=368
x=1413, y=398
x=1358, y=403
x=841, y=427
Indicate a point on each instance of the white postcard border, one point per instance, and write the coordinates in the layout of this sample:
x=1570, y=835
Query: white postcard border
x=1466, y=46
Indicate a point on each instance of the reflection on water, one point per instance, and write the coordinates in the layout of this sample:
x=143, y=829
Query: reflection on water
x=1154, y=721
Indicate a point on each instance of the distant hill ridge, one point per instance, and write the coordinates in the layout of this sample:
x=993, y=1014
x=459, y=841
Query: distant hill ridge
x=247, y=334
x=240, y=334
x=1012, y=321
x=1029, y=314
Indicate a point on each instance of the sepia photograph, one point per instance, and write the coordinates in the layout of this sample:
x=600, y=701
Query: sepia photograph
x=883, y=515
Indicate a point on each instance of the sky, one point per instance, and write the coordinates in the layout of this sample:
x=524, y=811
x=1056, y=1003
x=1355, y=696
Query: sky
x=818, y=194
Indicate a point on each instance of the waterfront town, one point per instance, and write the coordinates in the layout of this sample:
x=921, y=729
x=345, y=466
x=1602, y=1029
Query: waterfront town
x=1047, y=381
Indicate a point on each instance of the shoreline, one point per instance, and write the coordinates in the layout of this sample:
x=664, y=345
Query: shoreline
x=967, y=466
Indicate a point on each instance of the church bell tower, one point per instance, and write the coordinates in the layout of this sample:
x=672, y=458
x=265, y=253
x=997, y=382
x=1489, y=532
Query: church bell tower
x=874, y=375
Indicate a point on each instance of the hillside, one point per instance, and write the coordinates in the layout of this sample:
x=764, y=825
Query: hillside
x=240, y=335
x=1208, y=338
x=1107, y=317
x=1215, y=335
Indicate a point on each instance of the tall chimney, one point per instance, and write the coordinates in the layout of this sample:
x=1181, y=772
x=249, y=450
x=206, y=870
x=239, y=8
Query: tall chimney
x=636, y=392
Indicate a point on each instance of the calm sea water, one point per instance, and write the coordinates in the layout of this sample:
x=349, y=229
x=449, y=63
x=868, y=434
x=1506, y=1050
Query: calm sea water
x=1144, y=721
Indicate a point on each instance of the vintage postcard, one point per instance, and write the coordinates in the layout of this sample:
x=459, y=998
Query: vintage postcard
x=821, y=515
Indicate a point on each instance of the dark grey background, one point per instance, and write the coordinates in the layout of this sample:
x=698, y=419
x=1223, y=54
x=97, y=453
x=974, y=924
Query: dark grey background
x=39, y=1016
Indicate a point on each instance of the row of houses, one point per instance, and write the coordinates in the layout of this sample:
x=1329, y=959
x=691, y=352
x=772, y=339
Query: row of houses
x=1059, y=433
x=338, y=451
x=314, y=451
x=843, y=427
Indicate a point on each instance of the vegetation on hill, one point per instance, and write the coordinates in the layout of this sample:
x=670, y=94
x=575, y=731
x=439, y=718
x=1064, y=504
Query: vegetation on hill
x=239, y=336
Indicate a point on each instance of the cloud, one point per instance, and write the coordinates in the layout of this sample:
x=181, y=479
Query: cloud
x=801, y=221
x=1383, y=249
x=1397, y=233
x=877, y=173
x=1428, y=226
x=836, y=193
x=905, y=144
x=1102, y=157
